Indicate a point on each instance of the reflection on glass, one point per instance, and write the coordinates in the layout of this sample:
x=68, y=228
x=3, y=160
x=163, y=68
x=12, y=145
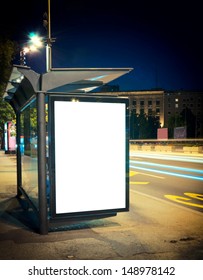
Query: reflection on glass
x=28, y=147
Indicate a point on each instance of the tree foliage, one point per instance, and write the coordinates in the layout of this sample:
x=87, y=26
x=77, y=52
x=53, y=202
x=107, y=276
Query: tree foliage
x=143, y=126
x=7, y=53
x=185, y=118
x=175, y=120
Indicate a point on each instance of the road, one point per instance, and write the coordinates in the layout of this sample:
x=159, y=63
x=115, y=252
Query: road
x=174, y=178
x=155, y=227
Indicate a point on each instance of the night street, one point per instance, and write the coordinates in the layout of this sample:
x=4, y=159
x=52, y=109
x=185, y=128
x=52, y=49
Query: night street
x=156, y=227
x=175, y=178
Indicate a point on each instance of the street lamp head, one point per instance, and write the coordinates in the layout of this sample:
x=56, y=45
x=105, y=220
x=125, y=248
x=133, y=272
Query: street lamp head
x=35, y=40
x=33, y=45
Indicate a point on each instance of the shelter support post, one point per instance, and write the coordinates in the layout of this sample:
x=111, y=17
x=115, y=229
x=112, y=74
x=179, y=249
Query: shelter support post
x=43, y=222
x=19, y=168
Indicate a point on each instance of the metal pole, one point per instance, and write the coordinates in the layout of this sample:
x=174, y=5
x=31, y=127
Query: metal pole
x=18, y=158
x=49, y=41
x=43, y=221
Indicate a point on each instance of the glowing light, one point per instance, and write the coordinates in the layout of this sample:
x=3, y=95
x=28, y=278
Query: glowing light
x=97, y=78
x=75, y=100
x=168, y=157
x=168, y=173
x=33, y=48
x=26, y=49
x=35, y=40
x=168, y=166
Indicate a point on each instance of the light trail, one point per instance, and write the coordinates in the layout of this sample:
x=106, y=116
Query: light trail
x=184, y=158
x=168, y=166
x=167, y=173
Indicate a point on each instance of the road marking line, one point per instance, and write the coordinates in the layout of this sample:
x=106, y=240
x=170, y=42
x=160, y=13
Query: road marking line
x=132, y=173
x=194, y=195
x=139, y=183
x=183, y=200
x=168, y=202
x=155, y=176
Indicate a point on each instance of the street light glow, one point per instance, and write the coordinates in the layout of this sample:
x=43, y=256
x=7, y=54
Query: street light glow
x=35, y=40
x=26, y=50
x=33, y=45
x=33, y=48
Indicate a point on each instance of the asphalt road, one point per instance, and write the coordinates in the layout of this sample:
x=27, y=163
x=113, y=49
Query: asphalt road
x=176, y=178
x=154, y=228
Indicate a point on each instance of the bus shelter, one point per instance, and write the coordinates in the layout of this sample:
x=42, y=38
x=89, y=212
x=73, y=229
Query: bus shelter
x=72, y=144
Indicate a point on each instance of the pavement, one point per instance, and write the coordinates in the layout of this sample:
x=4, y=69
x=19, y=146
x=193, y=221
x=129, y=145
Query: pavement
x=153, y=229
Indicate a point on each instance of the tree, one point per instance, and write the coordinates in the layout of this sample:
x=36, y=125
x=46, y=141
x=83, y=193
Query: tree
x=185, y=118
x=190, y=122
x=8, y=50
x=143, y=126
x=153, y=125
x=175, y=120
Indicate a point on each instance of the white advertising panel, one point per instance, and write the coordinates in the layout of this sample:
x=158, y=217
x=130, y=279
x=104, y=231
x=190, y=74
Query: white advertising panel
x=90, y=156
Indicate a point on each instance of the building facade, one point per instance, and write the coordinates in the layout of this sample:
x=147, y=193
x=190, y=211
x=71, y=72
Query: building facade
x=176, y=102
x=165, y=104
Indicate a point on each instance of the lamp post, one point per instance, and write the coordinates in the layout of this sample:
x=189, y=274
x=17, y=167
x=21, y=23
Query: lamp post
x=36, y=42
x=50, y=40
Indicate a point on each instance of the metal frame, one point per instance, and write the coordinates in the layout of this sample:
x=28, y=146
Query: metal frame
x=54, y=218
x=23, y=87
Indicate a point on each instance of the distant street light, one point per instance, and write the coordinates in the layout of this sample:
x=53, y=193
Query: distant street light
x=35, y=40
x=34, y=44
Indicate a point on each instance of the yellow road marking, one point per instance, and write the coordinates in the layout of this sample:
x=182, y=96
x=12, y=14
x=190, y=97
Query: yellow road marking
x=139, y=183
x=132, y=173
x=183, y=200
x=160, y=177
x=195, y=195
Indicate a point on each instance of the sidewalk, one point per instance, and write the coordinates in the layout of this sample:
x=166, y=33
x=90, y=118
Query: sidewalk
x=152, y=230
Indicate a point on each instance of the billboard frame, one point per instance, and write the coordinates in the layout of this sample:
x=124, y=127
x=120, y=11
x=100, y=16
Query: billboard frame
x=89, y=214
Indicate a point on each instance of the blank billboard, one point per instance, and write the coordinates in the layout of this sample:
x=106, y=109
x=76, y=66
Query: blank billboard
x=90, y=156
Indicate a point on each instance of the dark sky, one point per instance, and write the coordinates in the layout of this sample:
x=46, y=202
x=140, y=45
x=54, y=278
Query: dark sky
x=161, y=40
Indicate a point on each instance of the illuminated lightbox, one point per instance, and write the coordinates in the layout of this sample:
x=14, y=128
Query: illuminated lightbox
x=91, y=150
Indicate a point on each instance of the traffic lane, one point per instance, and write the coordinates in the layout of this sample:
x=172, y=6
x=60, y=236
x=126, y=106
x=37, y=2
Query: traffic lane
x=177, y=168
x=170, y=161
x=169, y=157
x=187, y=192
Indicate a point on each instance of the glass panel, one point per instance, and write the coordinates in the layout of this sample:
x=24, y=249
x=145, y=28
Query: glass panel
x=29, y=152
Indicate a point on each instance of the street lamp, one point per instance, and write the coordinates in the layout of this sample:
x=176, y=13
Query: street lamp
x=34, y=44
x=35, y=40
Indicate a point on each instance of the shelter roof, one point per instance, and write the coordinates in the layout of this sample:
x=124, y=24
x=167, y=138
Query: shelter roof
x=24, y=83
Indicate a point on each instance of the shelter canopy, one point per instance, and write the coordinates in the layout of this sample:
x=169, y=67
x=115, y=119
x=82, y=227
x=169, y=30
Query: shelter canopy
x=24, y=83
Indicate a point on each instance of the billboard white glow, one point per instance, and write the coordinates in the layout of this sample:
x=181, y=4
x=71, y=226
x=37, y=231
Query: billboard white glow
x=90, y=156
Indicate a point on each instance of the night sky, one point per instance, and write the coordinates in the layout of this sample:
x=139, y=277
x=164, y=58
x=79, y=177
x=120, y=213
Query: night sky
x=162, y=41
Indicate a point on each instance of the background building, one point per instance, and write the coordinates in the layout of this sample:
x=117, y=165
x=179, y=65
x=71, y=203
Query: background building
x=167, y=106
x=179, y=102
